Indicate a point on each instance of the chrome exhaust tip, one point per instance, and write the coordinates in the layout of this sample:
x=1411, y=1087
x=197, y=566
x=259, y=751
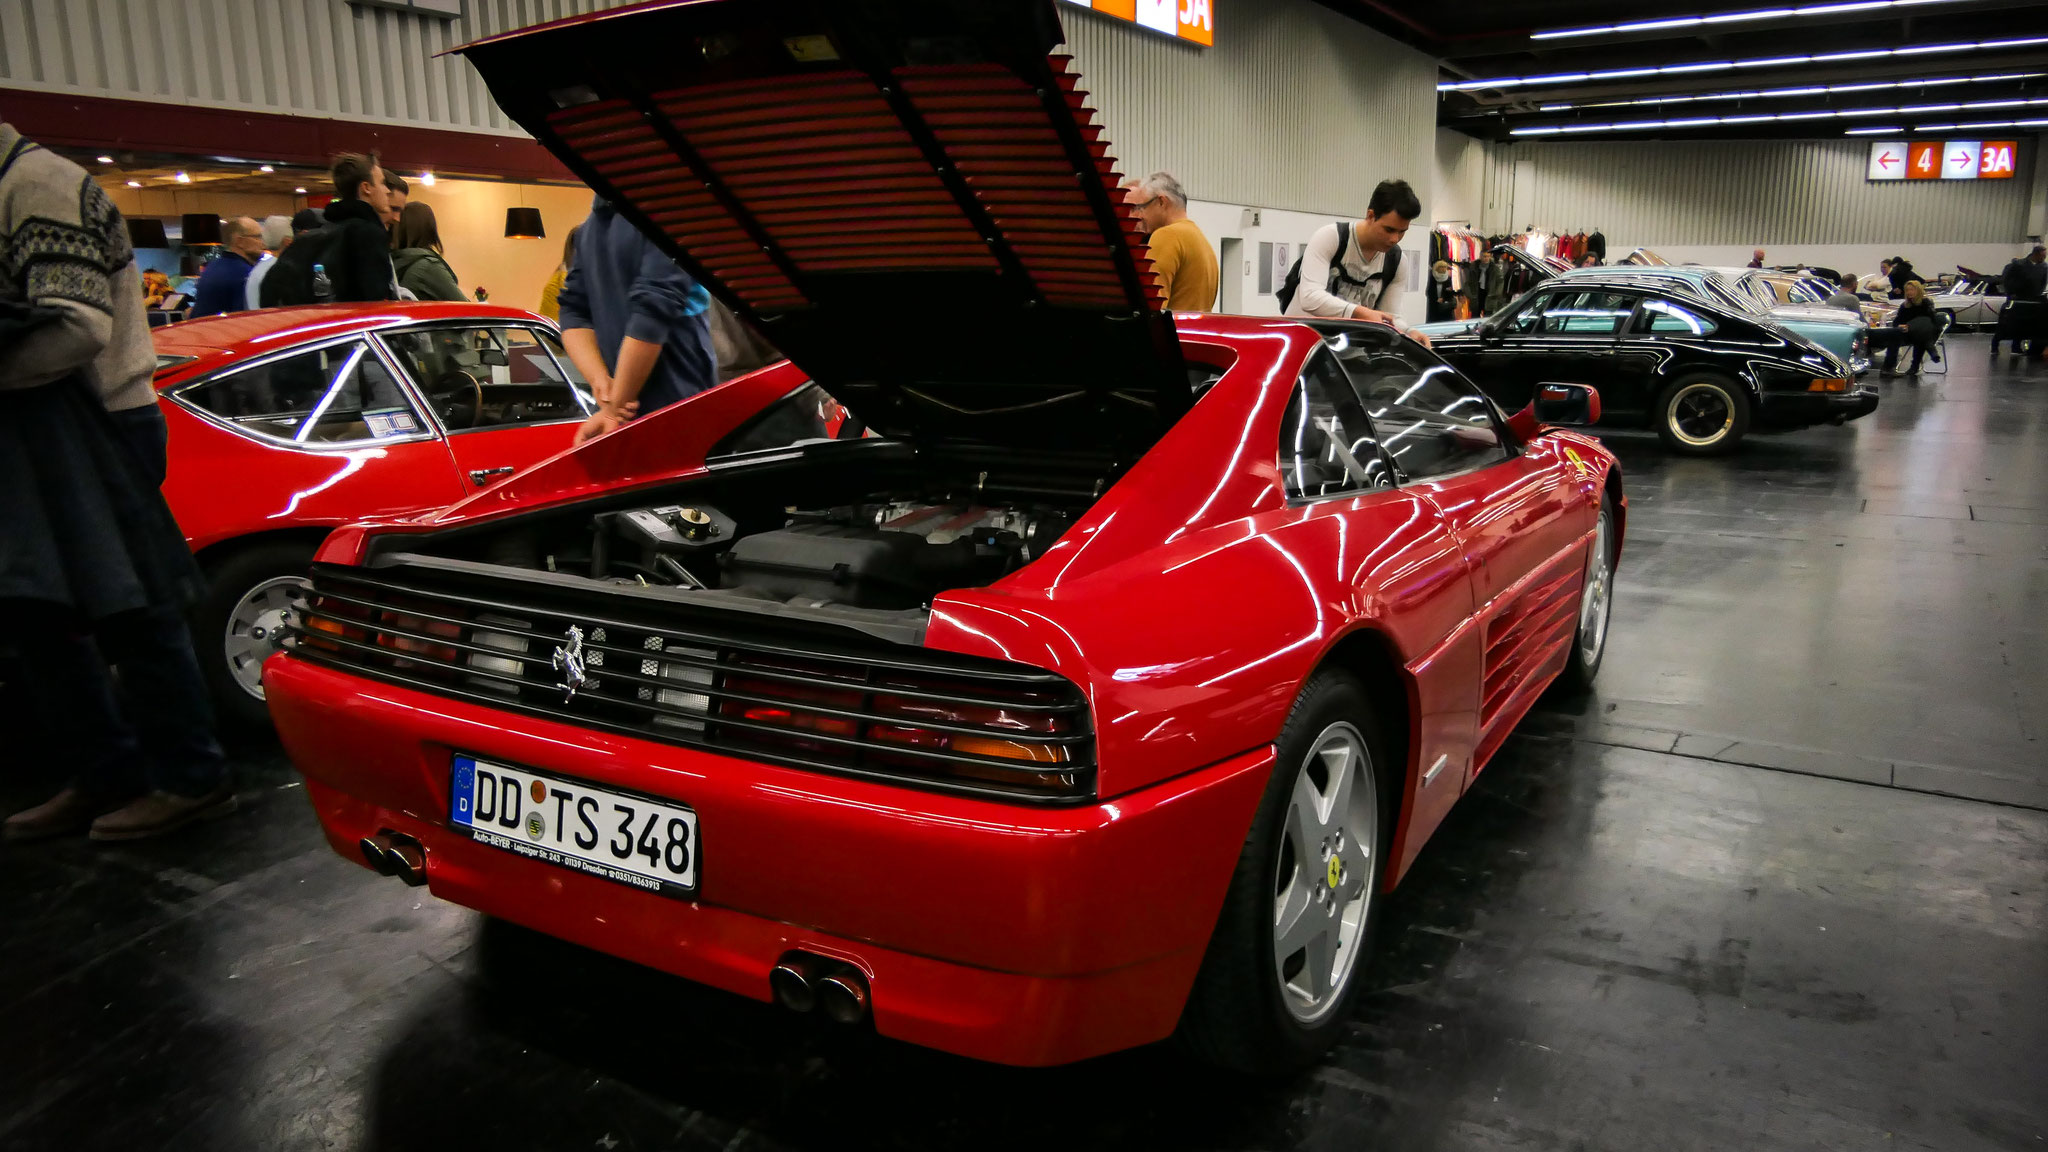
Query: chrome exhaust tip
x=376, y=857
x=791, y=982
x=395, y=854
x=844, y=997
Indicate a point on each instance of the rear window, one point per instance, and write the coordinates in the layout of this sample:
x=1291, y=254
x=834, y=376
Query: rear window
x=1665, y=317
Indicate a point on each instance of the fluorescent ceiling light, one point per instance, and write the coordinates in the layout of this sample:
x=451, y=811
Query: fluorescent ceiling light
x=1876, y=132
x=1981, y=124
x=1803, y=90
x=1761, y=117
x=1727, y=65
x=1744, y=17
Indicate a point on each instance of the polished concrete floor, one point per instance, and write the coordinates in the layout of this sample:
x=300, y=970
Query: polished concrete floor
x=1782, y=883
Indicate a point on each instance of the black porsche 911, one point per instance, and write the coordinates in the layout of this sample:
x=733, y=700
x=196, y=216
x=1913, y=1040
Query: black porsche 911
x=1701, y=374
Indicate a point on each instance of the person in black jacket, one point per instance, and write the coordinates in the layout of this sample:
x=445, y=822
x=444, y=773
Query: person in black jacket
x=1900, y=273
x=1917, y=323
x=358, y=256
x=1443, y=295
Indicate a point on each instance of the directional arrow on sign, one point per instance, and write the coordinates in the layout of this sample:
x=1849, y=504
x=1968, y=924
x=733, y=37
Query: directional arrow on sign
x=1960, y=159
x=1886, y=159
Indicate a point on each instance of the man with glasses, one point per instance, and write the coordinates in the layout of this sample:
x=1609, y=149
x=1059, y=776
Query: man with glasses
x=1181, y=256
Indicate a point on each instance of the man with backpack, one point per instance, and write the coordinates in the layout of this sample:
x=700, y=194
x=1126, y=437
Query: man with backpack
x=348, y=258
x=1351, y=271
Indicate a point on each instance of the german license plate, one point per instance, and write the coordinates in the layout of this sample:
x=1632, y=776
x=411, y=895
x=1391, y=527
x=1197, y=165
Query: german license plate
x=647, y=843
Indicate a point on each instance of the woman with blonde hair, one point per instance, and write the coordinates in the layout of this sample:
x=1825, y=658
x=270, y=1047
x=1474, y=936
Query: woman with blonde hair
x=553, y=288
x=416, y=256
x=1914, y=325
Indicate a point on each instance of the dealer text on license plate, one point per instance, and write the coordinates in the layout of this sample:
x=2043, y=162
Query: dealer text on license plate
x=620, y=836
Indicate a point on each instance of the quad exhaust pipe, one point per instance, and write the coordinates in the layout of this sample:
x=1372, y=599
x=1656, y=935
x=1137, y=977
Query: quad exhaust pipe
x=803, y=982
x=391, y=853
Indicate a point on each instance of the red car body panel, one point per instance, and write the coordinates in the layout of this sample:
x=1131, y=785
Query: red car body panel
x=1006, y=932
x=1190, y=602
x=1025, y=936
x=225, y=486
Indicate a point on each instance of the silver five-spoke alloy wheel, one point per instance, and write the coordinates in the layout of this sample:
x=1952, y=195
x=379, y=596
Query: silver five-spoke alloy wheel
x=256, y=629
x=1323, y=888
x=1596, y=601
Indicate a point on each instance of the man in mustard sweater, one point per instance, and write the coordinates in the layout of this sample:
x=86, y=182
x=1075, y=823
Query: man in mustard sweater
x=1181, y=255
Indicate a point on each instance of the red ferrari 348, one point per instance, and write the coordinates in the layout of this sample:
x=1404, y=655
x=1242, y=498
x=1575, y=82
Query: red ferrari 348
x=1097, y=696
x=286, y=422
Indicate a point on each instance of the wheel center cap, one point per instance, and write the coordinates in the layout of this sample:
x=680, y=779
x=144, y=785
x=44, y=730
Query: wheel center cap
x=1336, y=871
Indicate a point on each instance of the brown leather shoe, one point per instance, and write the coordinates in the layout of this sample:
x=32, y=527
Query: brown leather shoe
x=161, y=812
x=65, y=813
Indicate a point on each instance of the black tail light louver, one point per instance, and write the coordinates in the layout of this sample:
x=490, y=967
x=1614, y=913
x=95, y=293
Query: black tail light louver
x=911, y=716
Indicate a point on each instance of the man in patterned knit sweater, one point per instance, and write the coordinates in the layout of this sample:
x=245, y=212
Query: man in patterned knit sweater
x=106, y=558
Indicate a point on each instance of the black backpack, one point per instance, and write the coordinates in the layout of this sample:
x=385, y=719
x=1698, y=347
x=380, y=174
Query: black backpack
x=290, y=279
x=1385, y=275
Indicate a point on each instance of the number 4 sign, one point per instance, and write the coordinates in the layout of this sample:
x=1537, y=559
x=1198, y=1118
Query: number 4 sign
x=1923, y=161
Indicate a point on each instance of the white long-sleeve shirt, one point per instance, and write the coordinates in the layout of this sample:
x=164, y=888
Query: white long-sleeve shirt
x=1312, y=297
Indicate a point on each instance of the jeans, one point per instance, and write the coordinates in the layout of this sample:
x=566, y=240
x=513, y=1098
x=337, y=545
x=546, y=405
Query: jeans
x=155, y=731
x=1920, y=334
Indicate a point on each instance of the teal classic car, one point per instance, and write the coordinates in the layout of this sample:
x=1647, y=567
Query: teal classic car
x=1841, y=332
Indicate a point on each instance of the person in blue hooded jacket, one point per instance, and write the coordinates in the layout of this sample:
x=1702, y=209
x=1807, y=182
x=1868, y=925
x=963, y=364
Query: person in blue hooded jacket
x=633, y=323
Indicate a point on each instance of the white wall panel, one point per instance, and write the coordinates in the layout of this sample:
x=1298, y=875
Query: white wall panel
x=1296, y=107
x=1773, y=193
x=322, y=58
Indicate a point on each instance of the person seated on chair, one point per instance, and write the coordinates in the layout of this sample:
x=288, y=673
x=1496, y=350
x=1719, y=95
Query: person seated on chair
x=1917, y=325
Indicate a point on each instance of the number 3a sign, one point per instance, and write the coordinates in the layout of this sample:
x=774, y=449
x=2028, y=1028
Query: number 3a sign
x=1995, y=162
x=1190, y=20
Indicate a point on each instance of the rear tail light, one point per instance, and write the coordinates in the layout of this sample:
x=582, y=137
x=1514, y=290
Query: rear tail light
x=899, y=714
x=1013, y=744
x=405, y=632
x=328, y=615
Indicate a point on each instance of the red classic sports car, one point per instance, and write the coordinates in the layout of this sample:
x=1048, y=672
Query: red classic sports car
x=1096, y=697
x=286, y=422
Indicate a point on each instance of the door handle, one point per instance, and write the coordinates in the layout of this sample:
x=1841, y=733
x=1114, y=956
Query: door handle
x=482, y=476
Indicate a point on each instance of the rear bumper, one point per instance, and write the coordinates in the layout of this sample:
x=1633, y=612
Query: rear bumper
x=1803, y=409
x=1007, y=933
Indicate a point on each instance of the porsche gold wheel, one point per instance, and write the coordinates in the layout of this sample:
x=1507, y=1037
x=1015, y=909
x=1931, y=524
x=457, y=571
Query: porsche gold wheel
x=1702, y=415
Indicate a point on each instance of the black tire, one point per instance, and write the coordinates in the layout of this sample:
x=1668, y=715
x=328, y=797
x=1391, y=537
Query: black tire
x=1235, y=1016
x=1581, y=667
x=227, y=582
x=1697, y=399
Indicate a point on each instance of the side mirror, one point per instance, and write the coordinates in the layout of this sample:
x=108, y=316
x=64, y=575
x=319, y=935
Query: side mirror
x=1574, y=404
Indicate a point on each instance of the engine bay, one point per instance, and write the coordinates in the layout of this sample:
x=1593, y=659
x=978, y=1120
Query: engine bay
x=892, y=555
